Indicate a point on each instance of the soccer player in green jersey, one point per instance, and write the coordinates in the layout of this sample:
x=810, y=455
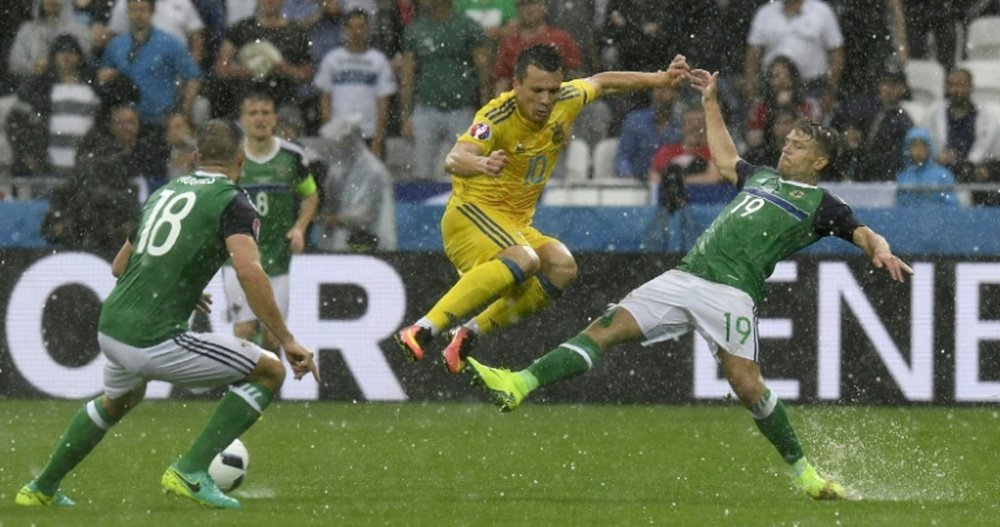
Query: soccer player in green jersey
x=188, y=229
x=284, y=193
x=716, y=288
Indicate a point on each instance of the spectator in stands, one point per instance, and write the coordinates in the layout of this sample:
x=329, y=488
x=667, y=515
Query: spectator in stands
x=444, y=75
x=123, y=155
x=181, y=142
x=923, y=180
x=14, y=13
x=55, y=109
x=637, y=35
x=265, y=52
x=359, y=212
x=937, y=18
x=158, y=64
x=29, y=54
x=356, y=79
x=777, y=126
x=966, y=135
x=807, y=32
x=644, y=131
x=852, y=131
x=782, y=89
x=576, y=17
x=325, y=28
x=874, y=39
x=690, y=158
x=530, y=29
x=178, y=18
x=884, y=124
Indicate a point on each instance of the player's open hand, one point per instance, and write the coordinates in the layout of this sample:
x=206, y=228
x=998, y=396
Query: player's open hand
x=897, y=268
x=677, y=72
x=301, y=360
x=705, y=82
x=492, y=164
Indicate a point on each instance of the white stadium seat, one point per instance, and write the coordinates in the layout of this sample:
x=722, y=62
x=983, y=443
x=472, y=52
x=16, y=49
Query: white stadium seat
x=604, y=158
x=982, y=41
x=916, y=110
x=577, y=161
x=985, y=80
x=926, y=80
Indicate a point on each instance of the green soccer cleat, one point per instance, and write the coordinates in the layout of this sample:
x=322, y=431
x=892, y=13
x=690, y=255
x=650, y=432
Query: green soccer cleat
x=197, y=486
x=507, y=388
x=30, y=496
x=818, y=488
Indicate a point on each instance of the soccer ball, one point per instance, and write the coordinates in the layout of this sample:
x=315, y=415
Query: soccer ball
x=230, y=466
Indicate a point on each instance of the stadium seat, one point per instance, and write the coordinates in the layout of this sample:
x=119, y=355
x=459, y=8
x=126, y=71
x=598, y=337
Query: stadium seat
x=577, y=161
x=604, y=158
x=916, y=110
x=926, y=80
x=982, y=41
x=985, y=80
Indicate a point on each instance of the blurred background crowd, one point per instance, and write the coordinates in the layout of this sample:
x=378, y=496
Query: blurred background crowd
x=106, y=94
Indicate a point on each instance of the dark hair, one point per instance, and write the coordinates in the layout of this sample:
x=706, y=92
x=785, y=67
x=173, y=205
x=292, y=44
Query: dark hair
x=258, y=95
x=543, y=56
x=827, y=140
x=219, y=142
x=356, y=12
x=793, y=74
x=152, y=3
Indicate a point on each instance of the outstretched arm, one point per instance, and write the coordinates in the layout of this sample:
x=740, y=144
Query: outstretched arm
x=609, y=82
x=724, y=152
x=877, y=249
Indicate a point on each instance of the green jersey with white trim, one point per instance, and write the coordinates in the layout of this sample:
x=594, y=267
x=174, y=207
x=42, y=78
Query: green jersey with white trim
x=769, y=219
x=275, y=183
x=178, y=247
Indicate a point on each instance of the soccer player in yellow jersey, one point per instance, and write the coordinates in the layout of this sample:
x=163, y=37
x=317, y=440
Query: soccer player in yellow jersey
x=499, y=168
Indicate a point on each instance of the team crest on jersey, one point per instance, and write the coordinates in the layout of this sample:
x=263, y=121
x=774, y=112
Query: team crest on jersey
x=797, y=194
x=481, y=131
x=558, y=134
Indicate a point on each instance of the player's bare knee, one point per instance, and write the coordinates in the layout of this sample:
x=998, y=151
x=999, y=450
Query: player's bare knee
x=269, y=370
x=563, y=274
x=245, y=330
x=524, y=257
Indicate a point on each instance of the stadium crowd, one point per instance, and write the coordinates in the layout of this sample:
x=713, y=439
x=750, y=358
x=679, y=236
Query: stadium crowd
x=106, y=93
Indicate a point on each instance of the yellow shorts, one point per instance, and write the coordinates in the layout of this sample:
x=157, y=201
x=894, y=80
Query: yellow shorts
x=474, y=234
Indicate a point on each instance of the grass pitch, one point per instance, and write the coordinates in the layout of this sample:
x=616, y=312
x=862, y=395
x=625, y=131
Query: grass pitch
x=467, y=464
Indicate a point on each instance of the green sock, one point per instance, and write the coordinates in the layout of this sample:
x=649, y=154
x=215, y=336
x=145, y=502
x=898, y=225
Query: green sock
x=238, y=410
x=573, y=357
x=86, y=429
x=771, y=418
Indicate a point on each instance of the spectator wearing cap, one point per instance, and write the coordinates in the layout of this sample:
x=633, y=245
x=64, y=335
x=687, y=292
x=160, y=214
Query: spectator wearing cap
x=54, y=110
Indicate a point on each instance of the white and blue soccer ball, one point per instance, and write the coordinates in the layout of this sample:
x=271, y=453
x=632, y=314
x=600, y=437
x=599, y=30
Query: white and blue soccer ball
x=229, y=467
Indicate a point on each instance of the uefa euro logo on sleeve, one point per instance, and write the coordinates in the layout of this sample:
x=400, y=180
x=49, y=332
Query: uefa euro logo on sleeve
x=481, y=131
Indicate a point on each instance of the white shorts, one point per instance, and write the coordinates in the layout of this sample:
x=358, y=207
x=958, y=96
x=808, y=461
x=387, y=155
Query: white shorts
x=238, y=309
x=197, y=361
x=676, y=302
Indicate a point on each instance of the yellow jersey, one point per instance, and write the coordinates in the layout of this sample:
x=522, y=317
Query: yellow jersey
x=532, y=150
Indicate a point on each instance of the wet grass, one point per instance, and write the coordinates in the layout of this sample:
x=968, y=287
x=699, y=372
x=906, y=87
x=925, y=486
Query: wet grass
x=465, y=464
